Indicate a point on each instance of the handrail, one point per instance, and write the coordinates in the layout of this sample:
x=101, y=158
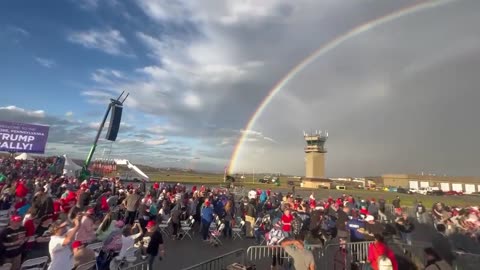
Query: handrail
x=218, y=263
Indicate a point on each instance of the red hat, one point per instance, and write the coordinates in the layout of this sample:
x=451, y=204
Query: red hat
x=90, y=211
x=77, y=244
x=16, y=218
x=150, y=224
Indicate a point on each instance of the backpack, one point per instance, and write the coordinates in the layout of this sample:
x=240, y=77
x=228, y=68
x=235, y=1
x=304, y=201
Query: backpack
x=384, y=263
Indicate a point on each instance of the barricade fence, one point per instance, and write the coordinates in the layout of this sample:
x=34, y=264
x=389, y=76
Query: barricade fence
x=466, y=261
x=143, y=265
x=221, y=262
x=341, y=256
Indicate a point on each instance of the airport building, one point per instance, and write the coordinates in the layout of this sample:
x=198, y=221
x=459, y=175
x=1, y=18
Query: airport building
x=315, y=161
x=463, y=184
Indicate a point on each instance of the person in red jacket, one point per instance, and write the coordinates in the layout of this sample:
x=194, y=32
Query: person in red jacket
x=379, y=249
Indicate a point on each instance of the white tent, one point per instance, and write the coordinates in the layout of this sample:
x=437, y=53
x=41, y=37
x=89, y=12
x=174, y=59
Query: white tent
x=24, y=156
x=70, y=168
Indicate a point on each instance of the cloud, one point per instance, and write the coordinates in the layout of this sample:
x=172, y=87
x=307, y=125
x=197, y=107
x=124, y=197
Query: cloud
x=18, y=31
x=110, y=41
x=106, y=76
x=69, y=114
x=212, y=63
x=20, y=111
x=48, y=63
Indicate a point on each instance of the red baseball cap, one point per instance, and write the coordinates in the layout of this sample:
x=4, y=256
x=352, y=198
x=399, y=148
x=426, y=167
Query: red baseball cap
x=90, y=211
x=16, y=218
x=77, y=244
x=150, y=224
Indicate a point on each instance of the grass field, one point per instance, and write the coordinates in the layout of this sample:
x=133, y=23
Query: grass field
x=252, y=182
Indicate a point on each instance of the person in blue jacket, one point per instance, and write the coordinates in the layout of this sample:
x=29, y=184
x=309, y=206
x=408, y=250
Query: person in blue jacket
x=207, y=218
x=355, y=226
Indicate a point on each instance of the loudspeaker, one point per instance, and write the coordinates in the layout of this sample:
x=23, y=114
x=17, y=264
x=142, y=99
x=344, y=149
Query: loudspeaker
x=115, y=119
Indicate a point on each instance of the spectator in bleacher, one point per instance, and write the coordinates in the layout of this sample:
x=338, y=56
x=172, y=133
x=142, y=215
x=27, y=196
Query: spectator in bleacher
x=81, y=254
x=434, y=261
x=12, y=240
x=61, y=257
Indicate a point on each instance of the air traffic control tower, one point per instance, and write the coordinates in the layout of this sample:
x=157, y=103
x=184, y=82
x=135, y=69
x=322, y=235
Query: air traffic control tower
x=315, y=154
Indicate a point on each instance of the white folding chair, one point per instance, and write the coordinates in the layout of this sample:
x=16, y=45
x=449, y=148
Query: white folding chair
x=35, y=264
x=87, y=266
x=164, y=227
x=237, y=231
x=186, y=229
x=96, y=247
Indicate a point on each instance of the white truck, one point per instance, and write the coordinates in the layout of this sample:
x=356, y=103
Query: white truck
x=426, y=190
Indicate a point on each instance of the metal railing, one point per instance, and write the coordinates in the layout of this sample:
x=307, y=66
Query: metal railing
x=143, y=265
x=466, y=261
x=221, y=262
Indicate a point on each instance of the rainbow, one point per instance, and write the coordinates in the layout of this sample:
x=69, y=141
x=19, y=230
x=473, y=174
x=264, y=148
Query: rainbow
x=354, y=32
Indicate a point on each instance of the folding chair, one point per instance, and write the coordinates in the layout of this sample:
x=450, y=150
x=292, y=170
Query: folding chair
x=237, y=231
x=96, y=247
x=215, y=236
x=35, y=264
x=186, y=229
x=87, y=266
x=165, y=227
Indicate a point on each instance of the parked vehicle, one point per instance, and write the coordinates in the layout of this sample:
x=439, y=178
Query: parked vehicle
x=341, y=187
x=453, y=193
x=435, y=193
x=402, y=190
x=412, y=191
x=427, y=190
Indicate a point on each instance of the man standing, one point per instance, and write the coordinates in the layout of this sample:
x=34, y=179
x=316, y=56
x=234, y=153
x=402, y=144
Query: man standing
x=12, y=240
x=302, y=258
x=131, y=203
x=59, y=246
x=207, y=218
x=251, y=213
x=153, y=243
x=396, y=205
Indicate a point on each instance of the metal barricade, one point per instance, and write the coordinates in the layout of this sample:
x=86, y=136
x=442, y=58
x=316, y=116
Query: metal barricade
x=221, y=262
x=414, y=252
x=466, y=261
x=143, y=265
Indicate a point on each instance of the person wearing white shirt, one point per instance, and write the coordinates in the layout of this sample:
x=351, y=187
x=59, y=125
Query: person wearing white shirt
x=128, y=239
x=59, y=245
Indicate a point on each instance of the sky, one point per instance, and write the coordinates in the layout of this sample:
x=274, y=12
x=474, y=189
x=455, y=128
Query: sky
x=401, y=97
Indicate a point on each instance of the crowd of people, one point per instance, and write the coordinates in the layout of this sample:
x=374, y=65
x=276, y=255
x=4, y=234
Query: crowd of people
x=47, y=211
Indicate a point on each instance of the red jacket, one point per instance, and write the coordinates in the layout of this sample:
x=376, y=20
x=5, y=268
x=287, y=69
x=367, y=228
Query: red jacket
x=375, y=250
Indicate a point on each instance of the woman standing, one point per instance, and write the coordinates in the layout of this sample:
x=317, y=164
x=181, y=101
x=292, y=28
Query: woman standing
x=229, y=217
